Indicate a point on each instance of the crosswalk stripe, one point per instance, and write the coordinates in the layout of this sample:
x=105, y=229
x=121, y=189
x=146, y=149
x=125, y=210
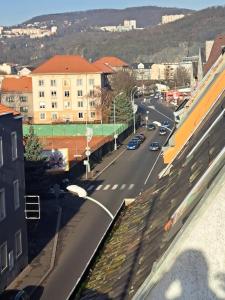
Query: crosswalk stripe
x=91, y=187
x=123, y=186
x=106, y=187
x=99, y=187
x=115, y=187
x=131, y=186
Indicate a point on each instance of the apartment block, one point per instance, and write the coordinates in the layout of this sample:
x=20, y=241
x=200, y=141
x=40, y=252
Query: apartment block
x=13, y=230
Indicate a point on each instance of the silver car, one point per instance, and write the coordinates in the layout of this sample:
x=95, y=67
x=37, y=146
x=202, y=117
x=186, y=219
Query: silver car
x=155, y=146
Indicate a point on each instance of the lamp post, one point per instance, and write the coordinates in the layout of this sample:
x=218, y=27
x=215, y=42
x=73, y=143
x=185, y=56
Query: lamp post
x=146, y=118
x=80, y=192
x=114, y=120
x=134, y=106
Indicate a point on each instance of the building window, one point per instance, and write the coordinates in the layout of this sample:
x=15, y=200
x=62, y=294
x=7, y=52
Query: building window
x=80, y=115
x=79, y=82
x=53, y=94
x=14, y=145
x=79, y=93
x=92, y=93
x=91, y=81
x=41, y=94
x=1, y=152
x=54, y=105
x=67, y=104
x=42, y=116
x=3, y=257
x=9, y=99
x=16, y=194
x=18, y=243
x=2, y=205
x=42, y=105
x=24, y=109
x=80, y=104
x=66, y=93
x=23, y=98
x=92, y=114
x=53, y=82
x=65, y=82
x=41, y=82
x=92, y=103
x=54, y=116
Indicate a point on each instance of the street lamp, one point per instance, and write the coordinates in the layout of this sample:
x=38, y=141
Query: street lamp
x=80, y=192
x=134, y=106
x=146, y=118
x=114, y=120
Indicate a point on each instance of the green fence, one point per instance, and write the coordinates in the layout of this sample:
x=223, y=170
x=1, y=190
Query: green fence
x=75, y=129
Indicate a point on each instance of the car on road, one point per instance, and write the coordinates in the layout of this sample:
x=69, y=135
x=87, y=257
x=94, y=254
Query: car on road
x=162, y=131
x=137, y=140
x=141, y=136
x=132, y=145
x=166, y=124
x=155, y=146
x=151, y=126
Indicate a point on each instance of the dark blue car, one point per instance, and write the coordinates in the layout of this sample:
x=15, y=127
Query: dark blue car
x=132, y=145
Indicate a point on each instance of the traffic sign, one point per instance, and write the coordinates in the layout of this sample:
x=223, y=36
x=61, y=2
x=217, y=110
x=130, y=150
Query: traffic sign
x=88, y=153
x=115, y=136
x=89, y=133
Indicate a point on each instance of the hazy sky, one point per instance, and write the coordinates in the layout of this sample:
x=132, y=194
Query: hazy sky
x=16, y=11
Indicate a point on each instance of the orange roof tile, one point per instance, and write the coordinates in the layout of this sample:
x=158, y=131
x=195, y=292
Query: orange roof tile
x=22, y=84
x=59, y=64
x=4, y=109
x=112, y=61
x=103, y=67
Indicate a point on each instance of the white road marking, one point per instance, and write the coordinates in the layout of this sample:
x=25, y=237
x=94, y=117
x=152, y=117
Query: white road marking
x=91, y=187
x=106, y=187
x=114, y=187
x=123, y=186
x=131, y=186
x=150, y=172
x=99, y=187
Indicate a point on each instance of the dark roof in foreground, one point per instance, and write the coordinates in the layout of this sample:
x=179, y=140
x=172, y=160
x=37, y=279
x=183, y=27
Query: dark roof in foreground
x=139, y=238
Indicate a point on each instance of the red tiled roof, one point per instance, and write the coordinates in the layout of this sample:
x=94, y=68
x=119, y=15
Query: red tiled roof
x=22, y=84
x=4, y=109
x=112, y=61
x=103, y=67
x=66, y=64
x=215, y=52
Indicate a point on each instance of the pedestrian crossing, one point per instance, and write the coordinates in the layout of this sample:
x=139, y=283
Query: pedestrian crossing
x=110, y=187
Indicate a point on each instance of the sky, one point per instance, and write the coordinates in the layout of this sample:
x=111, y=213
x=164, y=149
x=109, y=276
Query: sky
x=13, y=12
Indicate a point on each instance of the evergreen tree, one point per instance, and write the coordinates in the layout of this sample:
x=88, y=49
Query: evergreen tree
x=33, y=147
x=123, y=110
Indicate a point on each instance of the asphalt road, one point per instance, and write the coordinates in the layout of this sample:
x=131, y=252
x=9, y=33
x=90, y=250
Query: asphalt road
x=126, y=178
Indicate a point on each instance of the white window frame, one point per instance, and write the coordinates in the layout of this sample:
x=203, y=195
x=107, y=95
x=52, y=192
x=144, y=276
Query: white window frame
x=53, y=82
x=40, y=82
x=18, y=253
x=81, y=114
x=42, y=113
x=16, y=194
x=79, y=82
x=54, y=114
x=91, y=81
x=54, y=94
x=66, y=106
x=80, y=104
x=66, y=94
x=23, y=98
x=41, y=94
x=80, y=93
x=42, y=104
x=93, y=112
x=2, y=205
x=14, y=145
x=54, y=104
x=6, y=256
x=1, y=152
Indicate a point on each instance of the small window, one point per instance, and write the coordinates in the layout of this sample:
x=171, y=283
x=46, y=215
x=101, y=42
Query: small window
x=42, y=105
x=92, y=93
x=65, y=82
x=9, y=99
x=14, y=145
x=3, y=257
x=53, y=82
x=2, y=205
x=66, y=93
x=18, y=243
x=24, y=109
x=53, y=94
x=41, y=82
x=1, y=152
x=79, y=82
x=42, y=116
x=92, y=103
x=54, y=116
x=41, y=94
x=23, y=98
x=80, y=115
x=16, y=194
x=67, y=104
x=91, y=81
x=79, y=93
x=92, y=114
x=80, y=104
x=54, y=104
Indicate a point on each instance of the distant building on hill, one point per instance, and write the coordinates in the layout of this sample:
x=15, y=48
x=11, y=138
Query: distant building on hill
x=171, y=18
x=128, y=25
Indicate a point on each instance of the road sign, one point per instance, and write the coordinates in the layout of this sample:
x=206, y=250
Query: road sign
x=85, y=162
x=135, y=108
x=115, y=136
x=89, y=133
x=87, y=152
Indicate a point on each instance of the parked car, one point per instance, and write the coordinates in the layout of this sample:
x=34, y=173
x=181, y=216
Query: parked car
x=151, y=126
x=166, y=124
x=155, y=146
x=162, y=131
x=136, y=140
x=132, y=145
x=140, y=136
x=14, y=295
